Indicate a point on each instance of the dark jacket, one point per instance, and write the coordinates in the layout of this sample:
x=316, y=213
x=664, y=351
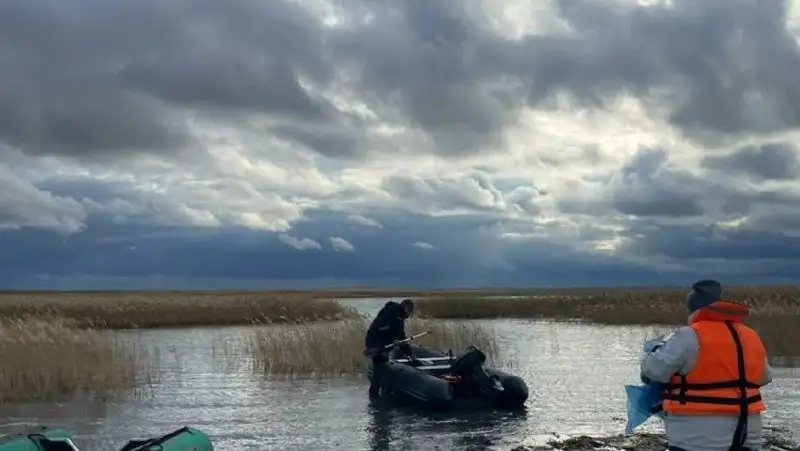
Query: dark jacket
x=388, y=326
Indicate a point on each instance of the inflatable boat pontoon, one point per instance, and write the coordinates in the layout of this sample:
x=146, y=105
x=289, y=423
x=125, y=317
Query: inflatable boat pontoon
x=437, y=380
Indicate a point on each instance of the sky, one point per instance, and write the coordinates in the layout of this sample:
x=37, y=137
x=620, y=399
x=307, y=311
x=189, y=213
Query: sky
x=201, y=144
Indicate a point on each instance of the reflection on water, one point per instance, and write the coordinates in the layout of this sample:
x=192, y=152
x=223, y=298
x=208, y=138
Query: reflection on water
x=575, y=374
x=404, y=428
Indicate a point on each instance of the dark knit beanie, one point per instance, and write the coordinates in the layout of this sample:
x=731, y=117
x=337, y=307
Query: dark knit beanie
x=703, y=294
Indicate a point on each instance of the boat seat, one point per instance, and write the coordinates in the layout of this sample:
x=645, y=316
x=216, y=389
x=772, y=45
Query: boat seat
x=424, y=359
x=433, y=367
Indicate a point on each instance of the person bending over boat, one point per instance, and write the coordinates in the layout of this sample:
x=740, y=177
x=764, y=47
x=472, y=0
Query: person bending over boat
x=387, y=327
x=712, y=370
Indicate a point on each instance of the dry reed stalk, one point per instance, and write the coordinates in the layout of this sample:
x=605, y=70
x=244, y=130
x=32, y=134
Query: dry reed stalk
x=152, y=310
x=47, y=360
x=337, y=349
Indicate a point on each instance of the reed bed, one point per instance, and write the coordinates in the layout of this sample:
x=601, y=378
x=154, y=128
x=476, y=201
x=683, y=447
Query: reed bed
x=775, y=311
x=121, y=310
x=337, y=349
x=51, y=360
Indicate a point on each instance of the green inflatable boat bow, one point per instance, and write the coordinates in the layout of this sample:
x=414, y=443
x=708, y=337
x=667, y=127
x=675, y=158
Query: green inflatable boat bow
x=46, y=439
x=184, y=439
x=39, y=439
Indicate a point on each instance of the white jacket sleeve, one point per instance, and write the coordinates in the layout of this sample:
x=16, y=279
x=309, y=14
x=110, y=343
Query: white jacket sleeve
x=677, y=355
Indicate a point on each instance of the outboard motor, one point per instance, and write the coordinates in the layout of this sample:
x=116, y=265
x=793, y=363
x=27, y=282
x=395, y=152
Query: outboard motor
x=469, y=365
x=471, y=358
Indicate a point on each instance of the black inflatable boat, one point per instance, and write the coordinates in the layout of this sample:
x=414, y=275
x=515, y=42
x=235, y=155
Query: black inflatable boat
x=437, y=380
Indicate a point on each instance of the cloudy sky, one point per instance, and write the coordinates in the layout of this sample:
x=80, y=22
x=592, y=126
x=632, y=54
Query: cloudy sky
x=277, y=143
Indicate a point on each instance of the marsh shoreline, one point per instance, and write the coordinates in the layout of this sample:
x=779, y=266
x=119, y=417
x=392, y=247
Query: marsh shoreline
x=773, y=441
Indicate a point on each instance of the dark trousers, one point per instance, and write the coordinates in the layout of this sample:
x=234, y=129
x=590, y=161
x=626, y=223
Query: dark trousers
x=379, y=364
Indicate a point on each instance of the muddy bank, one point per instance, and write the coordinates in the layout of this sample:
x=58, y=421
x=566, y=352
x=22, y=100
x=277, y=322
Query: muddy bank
x=775, y=440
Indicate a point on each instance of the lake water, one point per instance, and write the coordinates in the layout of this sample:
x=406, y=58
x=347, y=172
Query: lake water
x=575, y=373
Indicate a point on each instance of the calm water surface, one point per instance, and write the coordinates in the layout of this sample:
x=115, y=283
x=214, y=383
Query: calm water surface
x=575, y=373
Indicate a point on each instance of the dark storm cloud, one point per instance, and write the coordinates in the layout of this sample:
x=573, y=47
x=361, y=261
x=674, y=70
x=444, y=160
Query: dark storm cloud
x=473, y=191
x=24, y=204
x=44, y=115
x=90, y=76
x=763, y=223
x=772, y=161
x=700, y=242
x=646, y=188
x=728, y=66
x=113, y=250
x=109, y=253
x=722, y=67
x=331, y=141
x=120, y=203
x=440, y=65
x=658, y=203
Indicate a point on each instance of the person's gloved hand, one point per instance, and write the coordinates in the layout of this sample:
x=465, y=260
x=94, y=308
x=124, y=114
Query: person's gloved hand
x=652, y=344
x=405, y=349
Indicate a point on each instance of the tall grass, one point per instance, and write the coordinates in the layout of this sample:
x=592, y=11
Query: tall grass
x=50, y=360
x=337, y=349
x=775, y=311
x=153, y=310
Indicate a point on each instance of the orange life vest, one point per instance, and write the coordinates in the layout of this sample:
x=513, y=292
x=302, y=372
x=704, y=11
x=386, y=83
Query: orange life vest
x=730, y=367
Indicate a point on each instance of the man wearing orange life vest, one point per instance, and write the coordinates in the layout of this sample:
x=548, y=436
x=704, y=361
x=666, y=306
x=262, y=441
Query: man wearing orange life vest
x=712, y=370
